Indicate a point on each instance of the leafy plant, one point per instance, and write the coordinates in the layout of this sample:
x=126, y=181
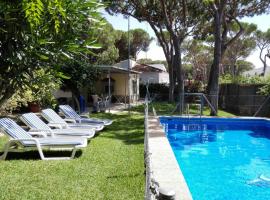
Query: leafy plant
x=228, y=78
x=40, y=34
x=39, y=89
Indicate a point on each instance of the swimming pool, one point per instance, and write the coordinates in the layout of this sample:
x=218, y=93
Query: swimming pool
x=222, y=159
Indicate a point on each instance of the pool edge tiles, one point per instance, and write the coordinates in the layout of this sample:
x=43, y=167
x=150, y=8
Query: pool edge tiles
x=164, y=166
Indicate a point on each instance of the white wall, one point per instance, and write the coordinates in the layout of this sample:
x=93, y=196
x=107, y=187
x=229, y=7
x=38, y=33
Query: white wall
x=154, y=77
x=164, y=77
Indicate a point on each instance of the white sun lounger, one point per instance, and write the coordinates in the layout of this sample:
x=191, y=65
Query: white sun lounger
x=36, y=124
x=22, y=140
x=55, y=120
x=71, y=114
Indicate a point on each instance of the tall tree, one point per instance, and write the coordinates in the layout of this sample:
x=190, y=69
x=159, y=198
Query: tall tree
x=198, y=54
x=139, y=41
x=107, y=38
x=224, y=13
x=263, y=43
x=240, y=49
x=172, y=17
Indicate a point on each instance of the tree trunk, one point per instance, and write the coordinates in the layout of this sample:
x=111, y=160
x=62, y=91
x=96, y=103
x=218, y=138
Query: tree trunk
x=172, y=84
x=213, y=85
x=177, y=65
x=264, y=66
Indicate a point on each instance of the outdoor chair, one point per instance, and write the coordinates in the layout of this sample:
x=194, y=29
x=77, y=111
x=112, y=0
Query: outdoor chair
x=22, y=141
x=36, y=124
x=97, y=101
x=71, y=114
x=56, y=121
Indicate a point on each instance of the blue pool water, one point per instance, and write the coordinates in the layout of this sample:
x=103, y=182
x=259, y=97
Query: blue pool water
x=222, y=159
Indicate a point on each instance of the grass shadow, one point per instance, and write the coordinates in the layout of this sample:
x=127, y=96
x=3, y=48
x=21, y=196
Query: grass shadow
x=34, y=155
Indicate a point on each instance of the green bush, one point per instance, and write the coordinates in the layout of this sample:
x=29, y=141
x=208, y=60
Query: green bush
x=228, y=78
x=160, y=91
x=39, y=90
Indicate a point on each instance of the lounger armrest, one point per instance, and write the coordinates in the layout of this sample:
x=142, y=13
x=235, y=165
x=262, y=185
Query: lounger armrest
x=46, y=131
x=34, y=129
x=38, y=133
x=69, y=120
x=39, y=130
x=84, y=116
x=56, y=125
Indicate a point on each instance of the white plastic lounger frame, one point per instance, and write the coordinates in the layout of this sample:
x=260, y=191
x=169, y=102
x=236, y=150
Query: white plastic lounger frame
x=36, y=124
x=21, y=138
x=71, y=114
x=55, y=120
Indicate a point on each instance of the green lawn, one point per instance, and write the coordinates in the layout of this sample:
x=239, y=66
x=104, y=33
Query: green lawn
x=111, y=167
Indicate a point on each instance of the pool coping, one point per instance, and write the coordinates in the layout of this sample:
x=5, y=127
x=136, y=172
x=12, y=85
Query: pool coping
x=231, y=117
x=164, y=166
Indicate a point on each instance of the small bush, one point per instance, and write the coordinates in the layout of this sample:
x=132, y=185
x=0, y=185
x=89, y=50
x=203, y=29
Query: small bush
x=39, y=90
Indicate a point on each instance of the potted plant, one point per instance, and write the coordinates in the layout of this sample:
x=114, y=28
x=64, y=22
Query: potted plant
x=39, y=92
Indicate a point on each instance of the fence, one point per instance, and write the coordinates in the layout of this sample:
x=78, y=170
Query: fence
x=146, y=155
x=243, y=100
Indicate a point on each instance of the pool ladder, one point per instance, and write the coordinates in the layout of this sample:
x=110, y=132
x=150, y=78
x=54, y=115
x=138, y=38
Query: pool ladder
x=198, y=103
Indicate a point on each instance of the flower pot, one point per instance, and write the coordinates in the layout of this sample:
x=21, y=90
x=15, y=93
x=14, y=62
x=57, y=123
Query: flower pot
x=34, y=107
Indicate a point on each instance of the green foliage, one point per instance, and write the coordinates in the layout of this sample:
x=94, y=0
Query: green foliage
x=107, y=38
x=36, y=10
x=81, y=75
x=33, y=11
x=241, y=48
x=228, y=78
x=39, y=89
x=197, y=59
x=38, y=34
x=139, y=41
x=194, y=86
x=243, y=66
x=249, y=80
x=264, y=90
x=157, y=90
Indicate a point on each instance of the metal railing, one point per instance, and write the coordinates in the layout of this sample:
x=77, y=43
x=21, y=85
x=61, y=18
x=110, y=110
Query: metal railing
x=146, y=154
x=262, y=105
x=202, y=97
x=151, y=186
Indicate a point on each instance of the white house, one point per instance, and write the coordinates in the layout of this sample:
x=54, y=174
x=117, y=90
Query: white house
x=152, y=73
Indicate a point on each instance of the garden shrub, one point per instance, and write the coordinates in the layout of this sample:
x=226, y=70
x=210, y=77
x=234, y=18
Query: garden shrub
x=39, y=90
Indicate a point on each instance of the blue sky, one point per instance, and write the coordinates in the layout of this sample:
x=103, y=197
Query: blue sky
x=156, y=53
